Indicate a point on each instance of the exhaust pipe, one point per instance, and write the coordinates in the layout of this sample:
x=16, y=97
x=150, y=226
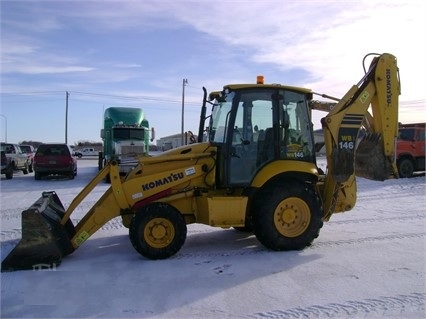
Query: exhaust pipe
x=44, y=239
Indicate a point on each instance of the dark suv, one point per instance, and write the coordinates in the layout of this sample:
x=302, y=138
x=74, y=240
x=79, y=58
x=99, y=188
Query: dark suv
x=54, y=159
x=6, y=166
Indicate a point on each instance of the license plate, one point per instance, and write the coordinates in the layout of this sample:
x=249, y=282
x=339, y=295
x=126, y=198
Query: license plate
x=52, y=162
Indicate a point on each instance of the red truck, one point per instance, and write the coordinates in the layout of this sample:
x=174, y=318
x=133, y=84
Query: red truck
x=410, y=149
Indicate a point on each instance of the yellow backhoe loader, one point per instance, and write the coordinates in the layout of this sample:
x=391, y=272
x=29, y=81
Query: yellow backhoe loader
x=252, y=167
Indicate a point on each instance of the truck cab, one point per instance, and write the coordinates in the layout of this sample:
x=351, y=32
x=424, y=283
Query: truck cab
x=16, y=157
x=125, y=135
x=410, y=149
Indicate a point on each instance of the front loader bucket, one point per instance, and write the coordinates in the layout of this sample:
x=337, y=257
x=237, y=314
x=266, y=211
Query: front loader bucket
x=370, y=159
x=44, y=239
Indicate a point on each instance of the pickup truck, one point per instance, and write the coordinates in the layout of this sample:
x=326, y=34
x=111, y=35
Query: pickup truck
x=29, y=150
x=87, y=151
x=16, y=157
x=6, y=167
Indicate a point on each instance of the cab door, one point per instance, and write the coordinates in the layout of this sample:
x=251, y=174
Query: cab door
x=253, y=119
x=267, y=125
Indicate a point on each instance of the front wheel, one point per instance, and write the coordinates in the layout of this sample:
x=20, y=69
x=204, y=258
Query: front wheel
x=405, y=168
x=157, y=231
x=287, y=216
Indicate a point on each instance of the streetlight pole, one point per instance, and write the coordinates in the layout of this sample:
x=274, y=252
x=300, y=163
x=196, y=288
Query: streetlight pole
x=66, y=116
x=184, y=82
x=5, y=127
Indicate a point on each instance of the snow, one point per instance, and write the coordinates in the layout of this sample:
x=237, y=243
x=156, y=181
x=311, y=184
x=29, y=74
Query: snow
x=366, y=263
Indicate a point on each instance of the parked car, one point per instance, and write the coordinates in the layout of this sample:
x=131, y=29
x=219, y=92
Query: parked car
x=54, y=159
x=6, y=166
x=18, y=160
x=29, y=150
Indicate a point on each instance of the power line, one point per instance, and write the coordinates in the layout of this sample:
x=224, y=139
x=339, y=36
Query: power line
x=32, y=93
x=119, y=97
x=124, y=97
x=135, y=98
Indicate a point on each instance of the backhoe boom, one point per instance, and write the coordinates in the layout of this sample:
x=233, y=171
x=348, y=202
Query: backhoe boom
x=368, y=153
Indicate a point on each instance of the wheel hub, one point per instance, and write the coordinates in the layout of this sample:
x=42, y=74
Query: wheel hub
x=159, y=232
x=292, y=217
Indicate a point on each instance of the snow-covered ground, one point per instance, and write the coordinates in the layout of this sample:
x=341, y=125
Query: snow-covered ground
x=366, y=263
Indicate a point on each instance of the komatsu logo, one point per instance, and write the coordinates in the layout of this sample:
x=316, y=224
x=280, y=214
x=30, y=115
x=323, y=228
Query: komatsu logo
x=163, y=181
x=388, y=87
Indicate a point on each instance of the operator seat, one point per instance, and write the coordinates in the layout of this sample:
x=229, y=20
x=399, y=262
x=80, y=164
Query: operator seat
x=265, y=146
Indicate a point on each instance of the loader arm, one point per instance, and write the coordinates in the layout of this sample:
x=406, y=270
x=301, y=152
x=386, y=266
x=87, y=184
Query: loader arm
x=371, y=155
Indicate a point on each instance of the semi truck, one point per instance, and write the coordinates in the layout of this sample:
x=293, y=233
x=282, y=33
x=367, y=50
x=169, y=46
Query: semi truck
x=126, y=136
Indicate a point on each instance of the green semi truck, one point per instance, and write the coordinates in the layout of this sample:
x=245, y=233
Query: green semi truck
x=126, y=136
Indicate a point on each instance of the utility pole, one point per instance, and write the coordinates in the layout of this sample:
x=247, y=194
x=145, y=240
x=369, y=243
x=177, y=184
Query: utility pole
x=184, y=82
x=66, y=116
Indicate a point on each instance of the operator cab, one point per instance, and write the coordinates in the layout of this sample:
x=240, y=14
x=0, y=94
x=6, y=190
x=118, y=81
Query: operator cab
x=255, y=124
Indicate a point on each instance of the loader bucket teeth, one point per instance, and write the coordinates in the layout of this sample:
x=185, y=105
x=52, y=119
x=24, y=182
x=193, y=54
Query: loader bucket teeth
x=44, y=240
x=370, y=159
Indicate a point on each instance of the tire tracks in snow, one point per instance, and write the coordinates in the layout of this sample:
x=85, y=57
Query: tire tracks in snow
x=380, y=220
x=316, y=245
x=397, y=191
x=380, y=307
x=115, y=224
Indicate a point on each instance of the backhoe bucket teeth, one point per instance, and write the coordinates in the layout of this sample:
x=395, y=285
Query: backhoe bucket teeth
x=370, y=159
x=44, y=239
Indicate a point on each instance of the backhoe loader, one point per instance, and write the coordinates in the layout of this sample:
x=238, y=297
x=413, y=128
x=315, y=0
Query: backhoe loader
x=252, y=167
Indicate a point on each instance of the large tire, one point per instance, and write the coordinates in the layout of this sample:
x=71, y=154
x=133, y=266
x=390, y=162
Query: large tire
x=287, y=216
x=157, y=231
x=9, y=173
x=25, y=169
x=405, y=168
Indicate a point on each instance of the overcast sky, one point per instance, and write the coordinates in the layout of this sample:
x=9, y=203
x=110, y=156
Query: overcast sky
x=137, y=53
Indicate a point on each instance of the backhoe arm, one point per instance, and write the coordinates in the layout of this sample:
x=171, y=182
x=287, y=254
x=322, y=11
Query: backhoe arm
x=372, y=156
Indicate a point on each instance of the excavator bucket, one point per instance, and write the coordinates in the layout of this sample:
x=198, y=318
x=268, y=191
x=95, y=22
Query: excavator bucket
x=44, y=239
x=370, y=159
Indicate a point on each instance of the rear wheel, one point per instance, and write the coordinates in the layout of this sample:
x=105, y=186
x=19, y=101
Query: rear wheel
x=287, y=217
x=405, y=168
x=25, y=169
x=9, y=173
x=157, y=231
